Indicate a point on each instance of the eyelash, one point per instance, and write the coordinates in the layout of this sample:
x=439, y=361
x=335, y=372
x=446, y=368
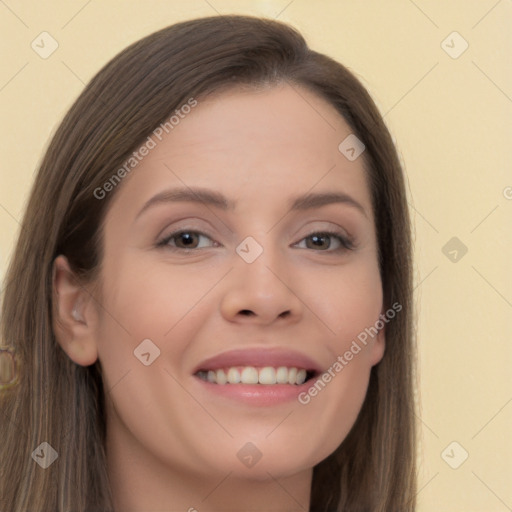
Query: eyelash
x=346, y=243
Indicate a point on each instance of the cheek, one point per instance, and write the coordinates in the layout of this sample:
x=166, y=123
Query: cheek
x=336, y=403
x=149, y=301
x=164, y=305
x=348, y=301
x=350, y=307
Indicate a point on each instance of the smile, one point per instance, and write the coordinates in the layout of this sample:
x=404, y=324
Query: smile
x=266, y=375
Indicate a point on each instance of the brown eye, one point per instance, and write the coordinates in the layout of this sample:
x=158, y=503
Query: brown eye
x=320, y=241
x=323, y=241
x=184, y=240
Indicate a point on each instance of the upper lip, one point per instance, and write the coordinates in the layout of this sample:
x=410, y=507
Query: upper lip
x=259, y=357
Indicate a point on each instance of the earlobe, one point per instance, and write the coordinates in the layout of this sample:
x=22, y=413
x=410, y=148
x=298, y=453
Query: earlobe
x=379, y=347
x=74, y=315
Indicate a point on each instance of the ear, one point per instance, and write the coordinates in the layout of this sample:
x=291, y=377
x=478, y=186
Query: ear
x=75, y=316
x=379, y=344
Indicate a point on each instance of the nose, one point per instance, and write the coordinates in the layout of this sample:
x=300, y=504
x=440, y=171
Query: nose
x=260, y=292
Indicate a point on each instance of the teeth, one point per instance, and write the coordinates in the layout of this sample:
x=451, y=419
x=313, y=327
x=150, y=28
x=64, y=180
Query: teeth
x=251, y=375
x=292, y=376
x=301, y=376
x=282, y=375
x=222, y=378
x=233, y=376
x=267, y=375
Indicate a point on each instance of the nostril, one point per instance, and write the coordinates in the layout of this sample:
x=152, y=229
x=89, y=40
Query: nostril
x=246, y=312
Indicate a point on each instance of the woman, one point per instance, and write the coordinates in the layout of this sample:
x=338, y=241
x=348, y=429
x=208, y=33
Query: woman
x=268, y=367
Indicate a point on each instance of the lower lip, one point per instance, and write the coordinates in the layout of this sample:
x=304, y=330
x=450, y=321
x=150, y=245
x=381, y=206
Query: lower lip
x=256, y=394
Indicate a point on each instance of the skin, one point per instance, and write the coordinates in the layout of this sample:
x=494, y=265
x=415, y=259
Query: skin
x=170, y=444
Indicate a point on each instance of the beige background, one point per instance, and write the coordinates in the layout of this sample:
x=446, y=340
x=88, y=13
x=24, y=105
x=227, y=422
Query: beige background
x=452, y=120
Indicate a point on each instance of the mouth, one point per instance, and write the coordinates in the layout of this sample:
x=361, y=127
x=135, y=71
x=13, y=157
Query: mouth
x=251, y=375
x=264, y=377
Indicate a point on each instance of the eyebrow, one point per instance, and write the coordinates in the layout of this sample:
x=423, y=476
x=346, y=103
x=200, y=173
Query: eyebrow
x=216, y=199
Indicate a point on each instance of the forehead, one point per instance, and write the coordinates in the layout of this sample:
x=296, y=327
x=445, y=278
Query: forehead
x=273, y=142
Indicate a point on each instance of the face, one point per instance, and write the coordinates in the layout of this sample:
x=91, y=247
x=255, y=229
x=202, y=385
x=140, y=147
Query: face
x=242, y=268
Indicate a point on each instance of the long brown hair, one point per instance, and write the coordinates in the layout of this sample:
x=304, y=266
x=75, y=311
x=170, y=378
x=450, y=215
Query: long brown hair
x=59, y=402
